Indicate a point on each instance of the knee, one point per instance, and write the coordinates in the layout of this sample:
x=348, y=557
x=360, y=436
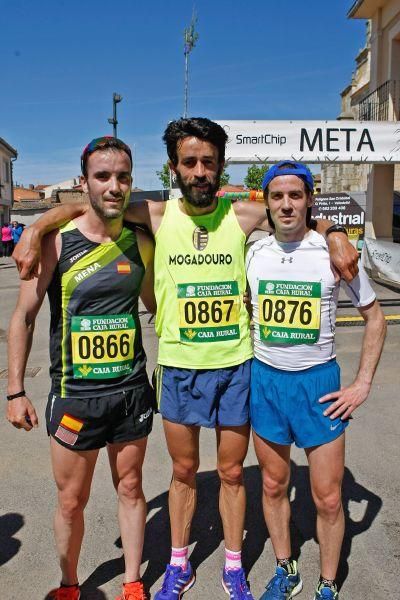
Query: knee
x=231, y=474
x=274, y=487
x=184, y=470
x=130, y=487
x=71, y=506
x=328, y=504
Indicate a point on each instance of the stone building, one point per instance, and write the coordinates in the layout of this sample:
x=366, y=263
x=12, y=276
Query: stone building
x=7, y=155
x=372, y=95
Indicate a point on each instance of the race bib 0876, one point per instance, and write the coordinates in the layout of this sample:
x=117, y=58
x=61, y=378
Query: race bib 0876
x=208, y=312
x=289, y=311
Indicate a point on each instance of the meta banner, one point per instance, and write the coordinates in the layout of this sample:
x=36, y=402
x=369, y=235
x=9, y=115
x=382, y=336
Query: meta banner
x=312, y=141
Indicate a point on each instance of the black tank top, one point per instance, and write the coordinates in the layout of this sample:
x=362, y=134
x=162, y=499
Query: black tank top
x=95, y=335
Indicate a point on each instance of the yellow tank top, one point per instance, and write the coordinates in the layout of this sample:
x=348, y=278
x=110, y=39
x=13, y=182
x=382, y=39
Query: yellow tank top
x=200, y=279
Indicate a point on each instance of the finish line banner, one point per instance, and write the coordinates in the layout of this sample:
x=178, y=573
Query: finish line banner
x=382, y=259
x=312, y=141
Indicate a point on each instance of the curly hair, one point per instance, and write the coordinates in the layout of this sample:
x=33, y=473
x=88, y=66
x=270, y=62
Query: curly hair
x=198, y=127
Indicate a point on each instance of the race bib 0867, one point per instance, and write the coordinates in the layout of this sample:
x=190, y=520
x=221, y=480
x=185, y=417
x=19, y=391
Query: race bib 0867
x=289, y=311
x=102, y=346
x=208, y=312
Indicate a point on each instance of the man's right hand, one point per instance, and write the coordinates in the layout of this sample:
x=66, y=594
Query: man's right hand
x=27, y=254
x=21, y=413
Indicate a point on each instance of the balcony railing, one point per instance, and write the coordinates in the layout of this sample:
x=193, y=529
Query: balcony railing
x=383, y=104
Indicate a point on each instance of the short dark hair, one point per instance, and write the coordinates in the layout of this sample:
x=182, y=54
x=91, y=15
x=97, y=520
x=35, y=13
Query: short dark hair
x=103, y=143
x=199, y=127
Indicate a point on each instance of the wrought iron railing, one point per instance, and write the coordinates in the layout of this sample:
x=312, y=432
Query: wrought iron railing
x=383, y=104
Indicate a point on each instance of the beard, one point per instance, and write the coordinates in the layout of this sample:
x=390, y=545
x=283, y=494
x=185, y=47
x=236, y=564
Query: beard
x=109, y=212
x=199, y=198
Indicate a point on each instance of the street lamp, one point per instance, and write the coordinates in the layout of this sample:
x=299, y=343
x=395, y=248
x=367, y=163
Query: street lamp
x=116, y=98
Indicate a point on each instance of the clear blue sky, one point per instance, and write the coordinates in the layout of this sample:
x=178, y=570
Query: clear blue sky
x=61, y=61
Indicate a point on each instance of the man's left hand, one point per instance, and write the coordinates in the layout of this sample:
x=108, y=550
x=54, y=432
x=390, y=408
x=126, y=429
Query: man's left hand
x=346, y=400
x=343, y=255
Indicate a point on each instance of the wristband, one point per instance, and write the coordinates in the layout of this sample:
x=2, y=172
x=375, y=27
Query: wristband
x=18, y=395
x=336, y=229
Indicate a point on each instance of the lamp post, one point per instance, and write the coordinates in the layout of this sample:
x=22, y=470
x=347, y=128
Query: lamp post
x=113, y=121
x=190, y=37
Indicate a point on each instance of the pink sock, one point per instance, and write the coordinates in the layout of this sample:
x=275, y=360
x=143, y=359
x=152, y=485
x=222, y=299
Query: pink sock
x=179, y=557
x=233, y=560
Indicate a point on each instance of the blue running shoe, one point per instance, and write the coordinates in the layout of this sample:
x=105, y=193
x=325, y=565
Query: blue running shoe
x=235, y=584
x=324, y=592
x=176, y=582
x=283, y=585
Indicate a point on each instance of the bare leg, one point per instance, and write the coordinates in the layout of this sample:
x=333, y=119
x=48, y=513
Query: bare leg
x=183, y=447
x=126, y=462
x=232, y=444
x=274, y=460
x=73, y=473
x=326, y=474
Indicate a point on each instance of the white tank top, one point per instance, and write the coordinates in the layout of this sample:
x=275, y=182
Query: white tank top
x=294, y=297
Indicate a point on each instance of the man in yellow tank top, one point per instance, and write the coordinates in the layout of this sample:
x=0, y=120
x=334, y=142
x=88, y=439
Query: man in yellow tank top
x=205, y=351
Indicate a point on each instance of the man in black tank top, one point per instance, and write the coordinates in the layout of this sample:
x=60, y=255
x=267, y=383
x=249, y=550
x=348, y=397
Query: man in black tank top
x=93, y=269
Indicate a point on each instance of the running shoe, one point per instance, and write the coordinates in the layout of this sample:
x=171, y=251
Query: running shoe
x=176, y=582
x=324, y=592
x=64, y=593
x=283, y=586
x=133, y=591
x=235, y=584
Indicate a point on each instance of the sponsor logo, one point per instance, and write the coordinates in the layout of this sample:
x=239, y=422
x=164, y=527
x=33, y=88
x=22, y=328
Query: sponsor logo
x=200, y=237
x=145, y=415
x=85, y=325
x=333, y=427
x=266, y=138
x=190, y=334
x=76, y=256
x=85, y=370
x=270, y=287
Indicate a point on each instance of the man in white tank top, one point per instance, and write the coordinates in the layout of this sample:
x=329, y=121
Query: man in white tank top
x=295, y=382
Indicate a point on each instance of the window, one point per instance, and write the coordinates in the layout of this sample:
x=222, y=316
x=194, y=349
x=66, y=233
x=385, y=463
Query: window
x=7, y=176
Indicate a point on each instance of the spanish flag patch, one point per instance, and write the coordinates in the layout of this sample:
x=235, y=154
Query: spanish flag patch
x=124, y=268
x=71, y=423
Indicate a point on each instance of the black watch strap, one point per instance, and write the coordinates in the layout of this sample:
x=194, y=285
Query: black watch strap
x=336, y=229
x=17, y=395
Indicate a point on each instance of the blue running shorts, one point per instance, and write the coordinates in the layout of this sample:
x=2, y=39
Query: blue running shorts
x=204, y=397
x=284, y=405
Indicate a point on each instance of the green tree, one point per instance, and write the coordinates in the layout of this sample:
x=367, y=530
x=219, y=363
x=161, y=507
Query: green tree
x=163, y=176
x=224, y=178
x=254, y=177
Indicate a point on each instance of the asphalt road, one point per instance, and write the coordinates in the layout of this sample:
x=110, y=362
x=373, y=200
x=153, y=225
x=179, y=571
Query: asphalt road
x=371, y=551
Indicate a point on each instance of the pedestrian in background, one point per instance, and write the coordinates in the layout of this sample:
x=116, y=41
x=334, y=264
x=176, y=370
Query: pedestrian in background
x=16, y=229
x=7, y=240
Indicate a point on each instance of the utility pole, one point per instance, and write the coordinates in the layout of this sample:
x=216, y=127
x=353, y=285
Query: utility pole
x=190, y=38
x=114, y=122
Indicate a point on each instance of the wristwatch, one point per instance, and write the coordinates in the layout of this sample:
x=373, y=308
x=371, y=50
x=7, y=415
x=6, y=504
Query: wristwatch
x=335, y=229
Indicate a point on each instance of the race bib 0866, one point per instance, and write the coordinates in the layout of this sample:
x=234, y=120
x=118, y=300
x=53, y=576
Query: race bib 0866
x=289, y=311
x=208, y=312
x=102, y=345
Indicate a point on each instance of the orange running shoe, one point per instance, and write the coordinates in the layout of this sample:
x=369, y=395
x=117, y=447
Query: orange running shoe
x=71, y=592
x=133, y=591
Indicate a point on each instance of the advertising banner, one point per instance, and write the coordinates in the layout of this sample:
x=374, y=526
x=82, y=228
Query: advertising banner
x=382, y=259
x=312, y=141
x=343, y=210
